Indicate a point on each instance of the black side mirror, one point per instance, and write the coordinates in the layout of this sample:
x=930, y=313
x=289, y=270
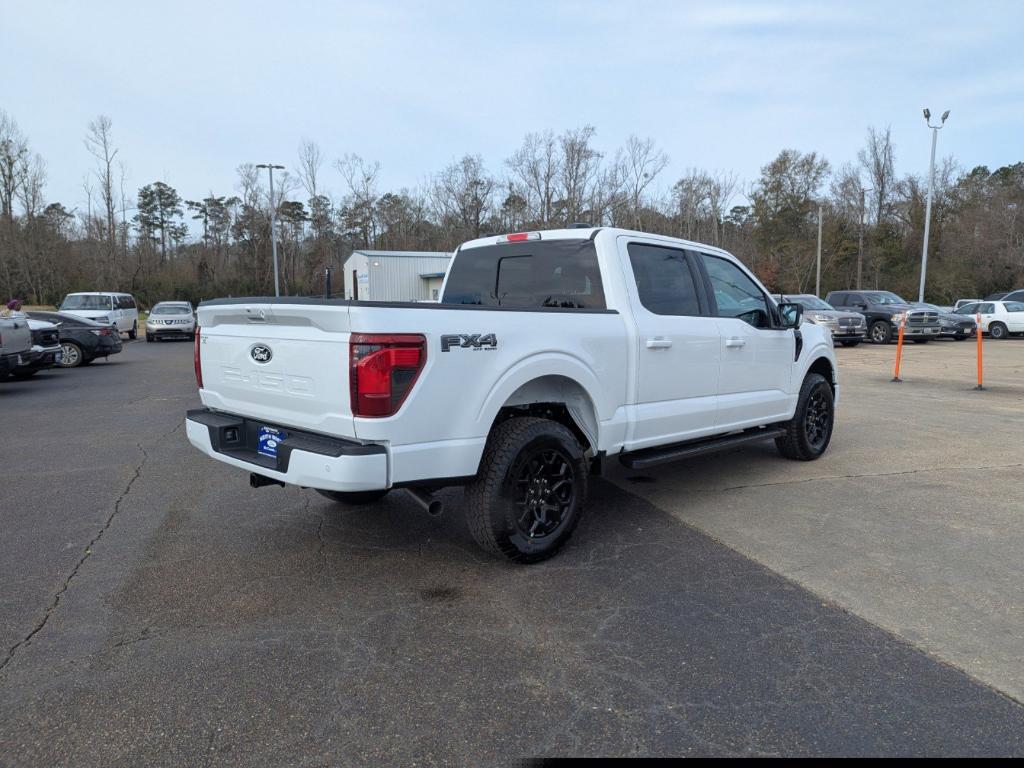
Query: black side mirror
x=791, y=314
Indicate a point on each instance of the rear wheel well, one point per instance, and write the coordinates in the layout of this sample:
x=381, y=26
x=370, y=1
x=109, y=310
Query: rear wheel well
x=551, y=411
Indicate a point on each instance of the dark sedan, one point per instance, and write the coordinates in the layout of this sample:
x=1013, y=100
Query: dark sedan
x=81, y=340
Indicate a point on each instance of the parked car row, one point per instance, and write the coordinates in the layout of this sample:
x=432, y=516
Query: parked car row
x=855, y=316
x=87, y=326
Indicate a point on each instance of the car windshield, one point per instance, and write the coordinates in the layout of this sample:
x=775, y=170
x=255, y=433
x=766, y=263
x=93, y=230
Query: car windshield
x=171, y=309
x=884, y=297
x=86, y=301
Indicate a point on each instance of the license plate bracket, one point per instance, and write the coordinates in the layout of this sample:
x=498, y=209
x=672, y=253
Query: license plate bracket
x=268, y=440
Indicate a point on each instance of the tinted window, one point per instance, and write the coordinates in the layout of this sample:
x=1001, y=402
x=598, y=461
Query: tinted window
x=555, y=273
x=125, y=302
x=664, y=280
x=736, y=294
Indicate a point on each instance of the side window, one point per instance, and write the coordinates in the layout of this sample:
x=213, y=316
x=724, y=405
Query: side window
x=837, y=299
x=736, y=294
x=1014, y=306
x=127, y=302
x=988, y=309
x=664, y=280
x=968, y=309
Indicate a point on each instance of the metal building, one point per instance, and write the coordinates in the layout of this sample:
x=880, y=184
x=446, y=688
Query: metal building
x=395, y=275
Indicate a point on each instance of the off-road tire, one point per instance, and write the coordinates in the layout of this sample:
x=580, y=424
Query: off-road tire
x=497, y=501
x=799, y=442
x=881, y=332
x=354, y=498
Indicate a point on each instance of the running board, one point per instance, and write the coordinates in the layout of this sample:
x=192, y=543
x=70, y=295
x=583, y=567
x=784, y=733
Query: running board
x=648, y=457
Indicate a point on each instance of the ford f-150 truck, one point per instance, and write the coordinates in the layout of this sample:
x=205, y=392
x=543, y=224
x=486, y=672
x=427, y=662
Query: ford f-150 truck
x=547, y=353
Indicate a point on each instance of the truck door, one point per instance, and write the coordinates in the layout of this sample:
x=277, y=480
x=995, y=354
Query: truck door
x=677, y=342
x=757, y=357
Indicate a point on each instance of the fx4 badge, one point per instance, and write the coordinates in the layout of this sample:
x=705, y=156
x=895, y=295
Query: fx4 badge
x=468, y=341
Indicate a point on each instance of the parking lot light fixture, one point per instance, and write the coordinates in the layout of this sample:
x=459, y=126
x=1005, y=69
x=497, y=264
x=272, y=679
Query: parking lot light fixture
x=931, y=186
x=273, y=222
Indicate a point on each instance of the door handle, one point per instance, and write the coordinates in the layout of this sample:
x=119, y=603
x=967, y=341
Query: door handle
x=735, y=343
x=659, y=342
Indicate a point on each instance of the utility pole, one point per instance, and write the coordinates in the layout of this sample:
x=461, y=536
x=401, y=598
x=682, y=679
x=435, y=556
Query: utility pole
x=817, y=281
x=273, y=222
x=928, y=207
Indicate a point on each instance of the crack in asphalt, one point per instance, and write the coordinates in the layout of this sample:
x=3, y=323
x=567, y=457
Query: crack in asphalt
x=855, y=477
x=27, y=640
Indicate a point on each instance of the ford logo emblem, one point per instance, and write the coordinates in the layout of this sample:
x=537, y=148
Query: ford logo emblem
x=261, y=353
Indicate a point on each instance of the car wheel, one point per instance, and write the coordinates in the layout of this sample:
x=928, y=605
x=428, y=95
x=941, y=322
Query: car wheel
x=850, y=343
x=134, y=332
x=149, y=337
x=355, y=498
x=881, y=332
x=997, y=331
x=528, y=496
x=809, y=432
x=70, y=355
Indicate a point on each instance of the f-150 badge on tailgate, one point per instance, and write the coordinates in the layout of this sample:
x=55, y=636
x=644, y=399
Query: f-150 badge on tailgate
x=469, y=341
x=261, y=353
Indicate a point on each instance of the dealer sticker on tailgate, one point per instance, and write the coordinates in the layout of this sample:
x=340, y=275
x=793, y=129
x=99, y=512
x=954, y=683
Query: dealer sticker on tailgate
x=268, y=439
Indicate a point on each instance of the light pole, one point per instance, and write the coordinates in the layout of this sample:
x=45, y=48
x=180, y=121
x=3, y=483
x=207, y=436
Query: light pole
x=860, y=238
x=273, y=222
x=928, y=208
x=817, y=279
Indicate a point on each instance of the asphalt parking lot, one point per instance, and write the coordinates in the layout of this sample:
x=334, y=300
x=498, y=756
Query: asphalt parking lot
x=157, y=610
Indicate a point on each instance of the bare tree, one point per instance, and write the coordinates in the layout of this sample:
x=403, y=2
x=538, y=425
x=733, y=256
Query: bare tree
x=535, y=167
x=578, y=171
x=877, y=158
x=463, y=195
x=643, y=161
x=99, y=142
x=310, y=162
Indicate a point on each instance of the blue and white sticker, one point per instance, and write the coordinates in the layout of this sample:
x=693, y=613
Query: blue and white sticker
x=267, y=441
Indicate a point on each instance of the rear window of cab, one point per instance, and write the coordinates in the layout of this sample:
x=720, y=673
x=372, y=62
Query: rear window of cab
x=555, y=274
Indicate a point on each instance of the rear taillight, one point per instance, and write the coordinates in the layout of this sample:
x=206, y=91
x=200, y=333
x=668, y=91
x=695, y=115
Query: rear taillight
x=103, y=332
x=196, y=362
x=382, y=370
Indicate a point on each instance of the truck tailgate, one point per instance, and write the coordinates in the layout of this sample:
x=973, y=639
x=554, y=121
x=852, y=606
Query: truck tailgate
x=283, y=363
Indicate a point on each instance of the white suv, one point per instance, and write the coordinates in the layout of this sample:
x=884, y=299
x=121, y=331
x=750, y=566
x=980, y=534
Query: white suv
x=118, y=309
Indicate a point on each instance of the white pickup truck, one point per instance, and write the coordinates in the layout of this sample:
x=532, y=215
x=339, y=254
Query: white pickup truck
x=547, y=353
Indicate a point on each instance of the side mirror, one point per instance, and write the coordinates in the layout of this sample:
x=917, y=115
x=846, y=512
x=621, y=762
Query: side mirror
x=791, y=314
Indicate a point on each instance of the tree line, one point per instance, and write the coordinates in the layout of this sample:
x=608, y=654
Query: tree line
x=159, y=245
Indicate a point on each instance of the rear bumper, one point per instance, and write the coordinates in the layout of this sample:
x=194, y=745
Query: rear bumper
x=304, y=458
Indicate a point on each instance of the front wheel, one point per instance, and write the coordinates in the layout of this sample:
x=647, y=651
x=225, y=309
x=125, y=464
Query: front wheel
x=528, y=496
x=881, y=332
x=997, y=331
x=809, y=432
x=134, y=332
x=355, y=498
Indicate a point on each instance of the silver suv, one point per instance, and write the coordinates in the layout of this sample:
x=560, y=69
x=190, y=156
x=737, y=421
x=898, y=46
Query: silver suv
x=171, y=320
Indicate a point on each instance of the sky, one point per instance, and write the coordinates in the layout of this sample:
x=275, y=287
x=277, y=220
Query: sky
x=196, y=88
